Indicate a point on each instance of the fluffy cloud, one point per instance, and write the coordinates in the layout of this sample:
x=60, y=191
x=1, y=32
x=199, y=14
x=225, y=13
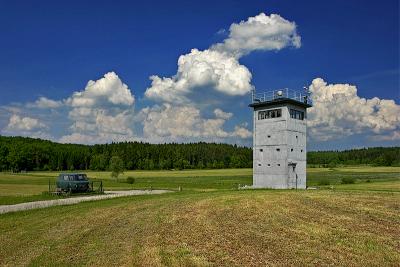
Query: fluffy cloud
x=180, y=123
x=44, y=103
x=218, y=67
x=100, y=126
x=338, y=111
x=222, y=114
x=261, y=32
x=241, y=132
x=102, y=112
x=107, y=90
x=18, y=123
x=199, y=69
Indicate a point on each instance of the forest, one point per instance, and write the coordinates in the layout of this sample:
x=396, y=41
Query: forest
x=27, y=154
x=376, y=156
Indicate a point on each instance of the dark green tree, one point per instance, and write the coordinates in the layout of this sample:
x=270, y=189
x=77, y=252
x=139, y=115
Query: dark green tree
x=116, y=166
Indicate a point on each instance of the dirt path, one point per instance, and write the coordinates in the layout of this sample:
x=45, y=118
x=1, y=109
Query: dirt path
x=75, y=200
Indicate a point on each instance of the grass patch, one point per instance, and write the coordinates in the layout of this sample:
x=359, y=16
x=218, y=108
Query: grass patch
x=130, y=180
x=7, y=200
x=324, y=181
x=348, y=180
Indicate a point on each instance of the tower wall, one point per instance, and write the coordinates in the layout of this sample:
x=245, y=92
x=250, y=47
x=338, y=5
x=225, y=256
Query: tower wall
x=279, y=143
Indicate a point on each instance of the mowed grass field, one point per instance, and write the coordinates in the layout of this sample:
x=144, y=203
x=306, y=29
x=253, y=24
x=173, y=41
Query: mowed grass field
x=209, y=223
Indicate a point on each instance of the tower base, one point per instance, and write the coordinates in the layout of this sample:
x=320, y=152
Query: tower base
x=278, y=182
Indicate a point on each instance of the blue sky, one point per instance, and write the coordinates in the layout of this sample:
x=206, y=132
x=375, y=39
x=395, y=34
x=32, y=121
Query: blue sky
x=52, y=50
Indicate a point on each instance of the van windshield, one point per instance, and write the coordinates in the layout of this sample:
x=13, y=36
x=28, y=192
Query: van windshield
x=81, y=177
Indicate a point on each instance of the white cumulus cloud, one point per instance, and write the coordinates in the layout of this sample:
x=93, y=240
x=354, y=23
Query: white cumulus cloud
x=200, y=69
x=182, y=123
x=218, y=67
x=215, y=68
x=18, y=123
x=107, y=90
x=219, y=113
x=102, y=112
x=338, y=111
x=241, y=132
x=261, y=32
x=44, y=103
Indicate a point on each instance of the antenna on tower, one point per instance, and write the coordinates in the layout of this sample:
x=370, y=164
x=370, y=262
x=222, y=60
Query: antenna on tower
x=253, y=94
x=307, y=94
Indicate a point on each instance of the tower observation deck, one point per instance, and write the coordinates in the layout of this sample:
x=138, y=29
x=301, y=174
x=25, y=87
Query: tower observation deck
x=281, y=95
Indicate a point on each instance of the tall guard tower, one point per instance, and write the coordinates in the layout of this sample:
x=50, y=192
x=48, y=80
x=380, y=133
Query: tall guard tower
x=279, y=139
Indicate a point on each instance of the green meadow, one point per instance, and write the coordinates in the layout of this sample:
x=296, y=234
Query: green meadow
x=210, y=222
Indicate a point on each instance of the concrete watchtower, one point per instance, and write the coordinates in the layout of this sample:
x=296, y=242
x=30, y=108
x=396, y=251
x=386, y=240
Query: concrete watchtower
x=279, y=139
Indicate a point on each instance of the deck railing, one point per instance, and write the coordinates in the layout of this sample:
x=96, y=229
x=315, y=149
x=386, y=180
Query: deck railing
x=281, y=93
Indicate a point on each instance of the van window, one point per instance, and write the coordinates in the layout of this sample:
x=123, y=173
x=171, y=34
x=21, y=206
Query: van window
x=81, y=177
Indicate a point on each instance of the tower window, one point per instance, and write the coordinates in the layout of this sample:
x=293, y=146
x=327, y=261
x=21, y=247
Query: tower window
x=269, y=136
x=269, y=114
x=279, y=164
x=301, y=150
x=297, y=137
x=261, y=150
x=296, y=114
x=278, y=149
x=269, y=165
x=259, y=164
x=291, y=149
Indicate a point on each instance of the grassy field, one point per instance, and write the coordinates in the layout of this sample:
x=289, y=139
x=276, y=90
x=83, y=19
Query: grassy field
x=16, y=188
x=209, y=223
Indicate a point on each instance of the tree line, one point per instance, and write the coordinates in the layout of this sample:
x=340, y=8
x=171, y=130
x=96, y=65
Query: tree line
x=376, y=156
x=23, y=153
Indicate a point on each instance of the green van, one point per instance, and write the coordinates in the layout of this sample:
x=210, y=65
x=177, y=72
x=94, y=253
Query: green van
x=72, y=182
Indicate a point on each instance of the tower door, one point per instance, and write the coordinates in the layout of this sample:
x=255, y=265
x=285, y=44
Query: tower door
x=292, y=175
